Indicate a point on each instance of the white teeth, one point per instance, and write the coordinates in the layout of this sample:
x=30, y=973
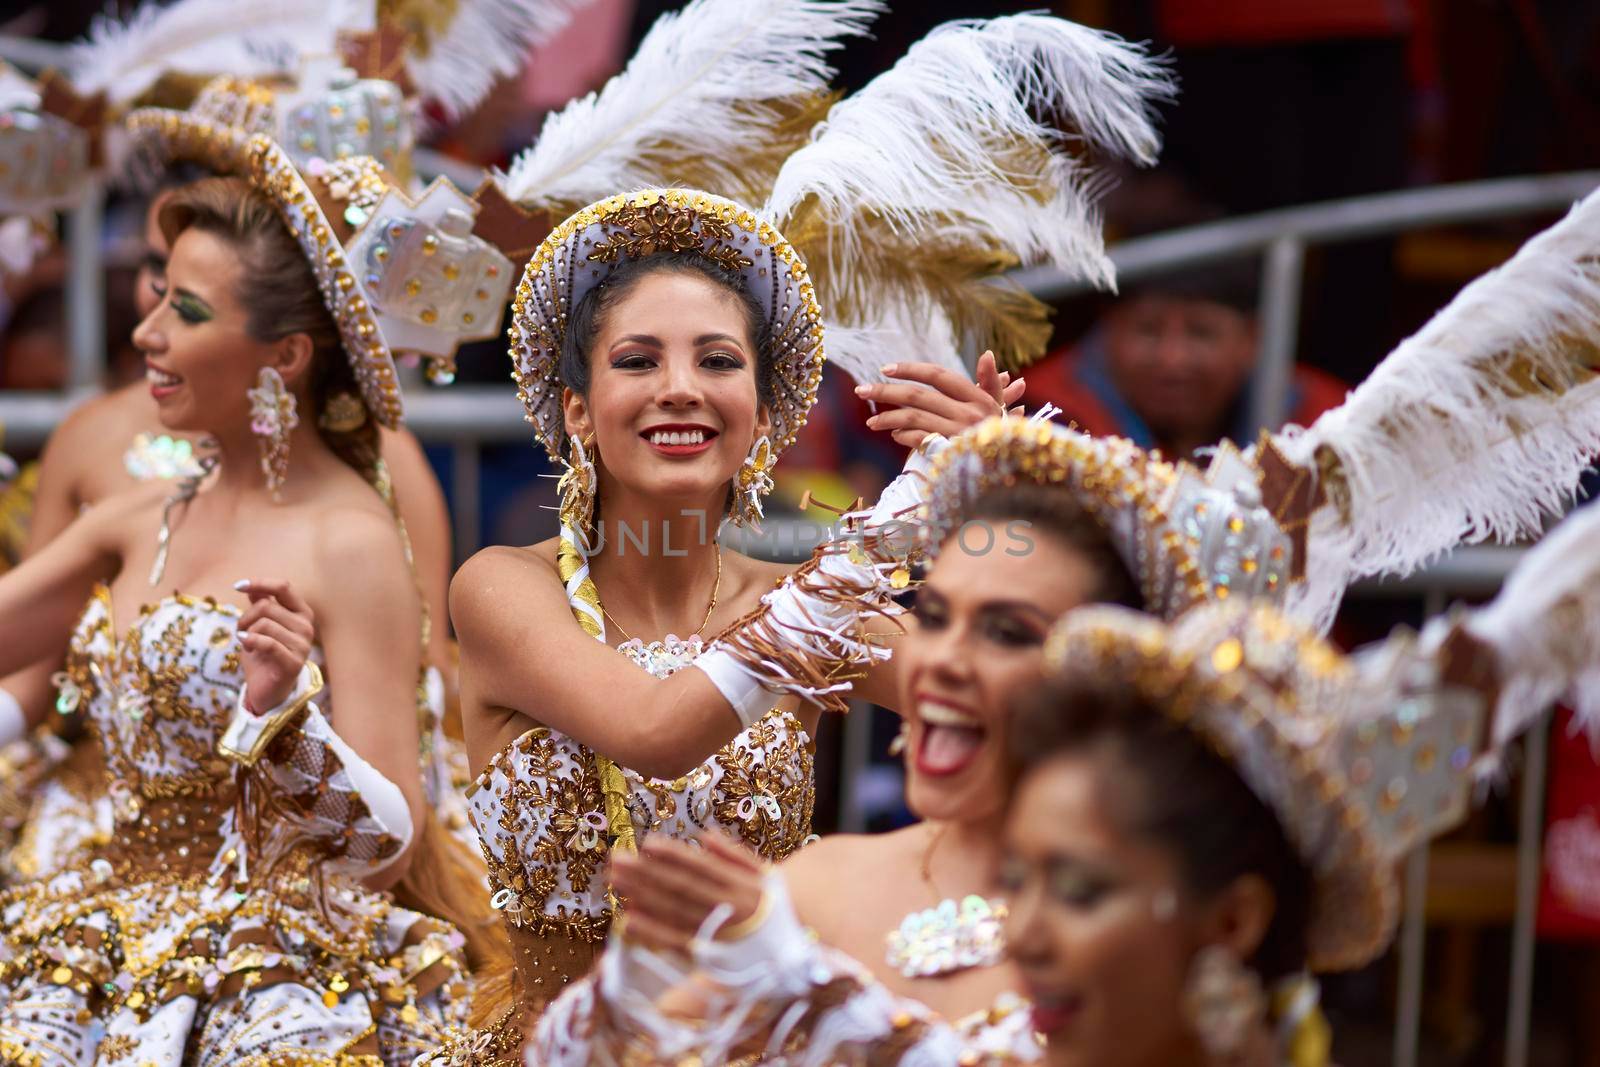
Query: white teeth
x=692, y=437
x=157, y=377
x=940, y=715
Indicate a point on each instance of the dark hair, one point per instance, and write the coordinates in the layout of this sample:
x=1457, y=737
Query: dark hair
x=281, y=295
x=1232, y=283
x=590, y=312
x=1184, y=796
x=1057, y=513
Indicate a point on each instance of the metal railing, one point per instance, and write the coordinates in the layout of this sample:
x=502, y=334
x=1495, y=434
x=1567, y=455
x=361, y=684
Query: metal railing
x=466, y=418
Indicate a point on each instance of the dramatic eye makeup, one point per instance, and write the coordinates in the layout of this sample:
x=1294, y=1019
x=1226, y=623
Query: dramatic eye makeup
x=191, y=308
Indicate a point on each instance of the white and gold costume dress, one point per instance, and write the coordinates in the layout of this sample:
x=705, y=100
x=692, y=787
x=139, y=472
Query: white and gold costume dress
x=540, y=811
x=223, y=922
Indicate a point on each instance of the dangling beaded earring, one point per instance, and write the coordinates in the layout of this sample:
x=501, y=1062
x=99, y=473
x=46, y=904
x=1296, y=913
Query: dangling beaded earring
x=273, y=417
x=1224, y=1002
x=578, y=487
x=752, y=484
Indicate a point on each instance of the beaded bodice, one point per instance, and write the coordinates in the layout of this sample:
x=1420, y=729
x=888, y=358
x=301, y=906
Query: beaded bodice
x=158, y=694
x=540, y=813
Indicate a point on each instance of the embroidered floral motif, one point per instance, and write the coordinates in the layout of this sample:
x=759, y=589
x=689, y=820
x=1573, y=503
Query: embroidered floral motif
x=638, y=231
x=539, y=811
x=167, y=907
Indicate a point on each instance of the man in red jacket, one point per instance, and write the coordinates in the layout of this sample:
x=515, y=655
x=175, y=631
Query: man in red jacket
x=1169, y=365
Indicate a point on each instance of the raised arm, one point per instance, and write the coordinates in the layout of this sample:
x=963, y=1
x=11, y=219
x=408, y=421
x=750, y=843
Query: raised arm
x=756, y=981
x=522, y=651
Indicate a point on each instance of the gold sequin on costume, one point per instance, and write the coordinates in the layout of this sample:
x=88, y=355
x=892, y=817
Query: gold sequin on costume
x=540, y=812
x=162, y=944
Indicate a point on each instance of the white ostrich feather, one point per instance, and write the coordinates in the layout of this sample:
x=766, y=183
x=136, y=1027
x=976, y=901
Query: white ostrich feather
x=204, y=37
x=1545, y=629
x=703, y=93
x=1475, y=428
x=958, y=149
x=486, y=40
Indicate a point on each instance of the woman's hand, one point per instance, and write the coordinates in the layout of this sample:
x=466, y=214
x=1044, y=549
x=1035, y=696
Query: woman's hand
x=950, y=406
x=671, y=888
x=275, y=633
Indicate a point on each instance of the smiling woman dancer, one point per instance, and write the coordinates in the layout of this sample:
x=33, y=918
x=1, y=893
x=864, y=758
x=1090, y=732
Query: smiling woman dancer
x=232, y=919
x=668, y=345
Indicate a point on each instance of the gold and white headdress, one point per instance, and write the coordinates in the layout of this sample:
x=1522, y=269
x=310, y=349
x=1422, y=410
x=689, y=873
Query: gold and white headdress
x=411, y=274
x=329, y=114
x=393, y=271
x=1183, y=539
x=1359, y=759
x=1477, y=427
x=935, y=220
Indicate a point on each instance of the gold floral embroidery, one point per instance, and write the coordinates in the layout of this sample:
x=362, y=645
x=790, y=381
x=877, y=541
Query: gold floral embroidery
x=639, y=230
x=128, y=926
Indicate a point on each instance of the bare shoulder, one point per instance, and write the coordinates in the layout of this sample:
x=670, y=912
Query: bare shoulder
x=491, y=574
x=128, y=408
x=820, y=872
x=403, y=453
x=346, y=529
x=357, y=543
x=820, y=863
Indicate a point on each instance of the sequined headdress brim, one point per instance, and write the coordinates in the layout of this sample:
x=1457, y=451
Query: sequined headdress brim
x=161, y=136
x=581, y=253
x=1266, y=696
x=1114, y=480
x=272, y=172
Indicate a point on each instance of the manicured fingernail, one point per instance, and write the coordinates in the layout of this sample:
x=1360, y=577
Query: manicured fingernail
x=872, y=420
x=863, y=390
x=890, y=368
x=246, y=637
x=242, y=584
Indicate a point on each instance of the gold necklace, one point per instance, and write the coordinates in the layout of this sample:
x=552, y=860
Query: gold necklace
x=716, y=587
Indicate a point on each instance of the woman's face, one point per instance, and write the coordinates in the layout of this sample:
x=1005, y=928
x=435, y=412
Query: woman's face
x=672, y=391
x=1096, y=926
x=982, y=616
x=150, y=283
x=200, y=359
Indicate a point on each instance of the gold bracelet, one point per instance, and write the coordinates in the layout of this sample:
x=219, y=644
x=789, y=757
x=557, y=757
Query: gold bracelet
x=749, y=925
x=274, y=721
